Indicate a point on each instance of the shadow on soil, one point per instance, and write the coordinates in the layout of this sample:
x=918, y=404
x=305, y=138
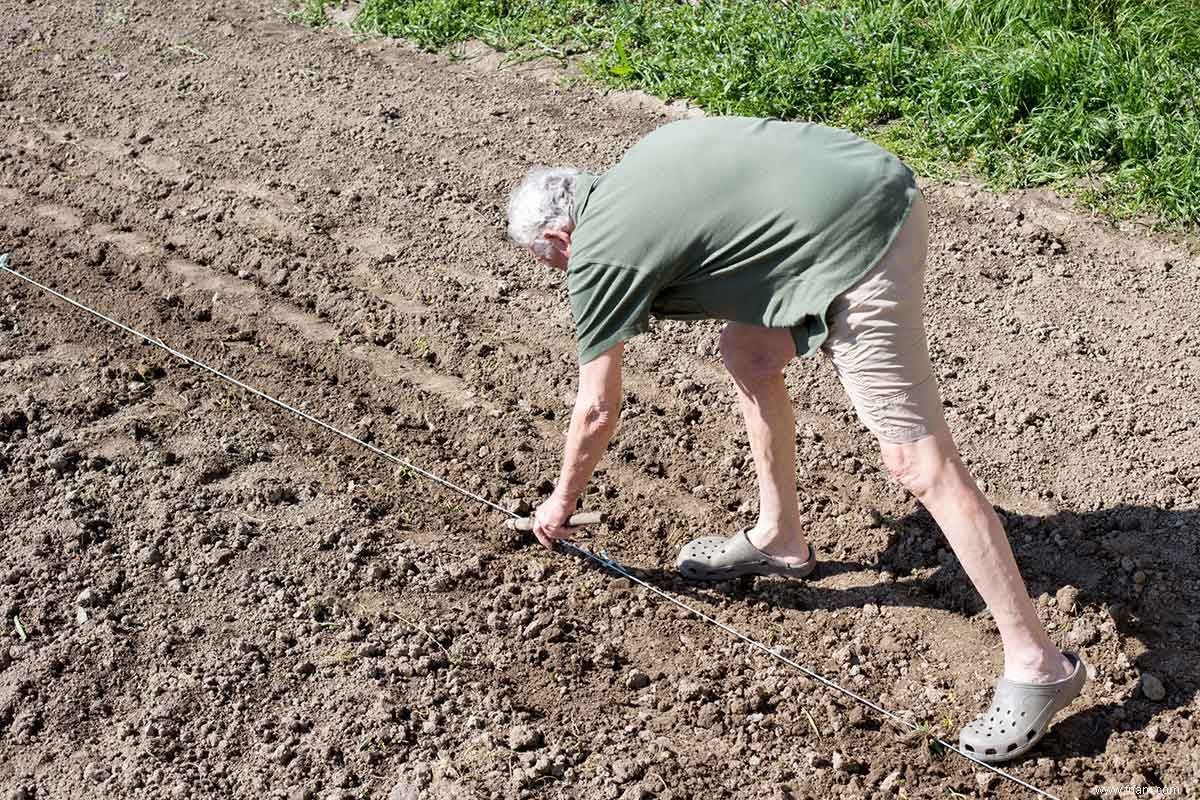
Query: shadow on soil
x=1098, y=552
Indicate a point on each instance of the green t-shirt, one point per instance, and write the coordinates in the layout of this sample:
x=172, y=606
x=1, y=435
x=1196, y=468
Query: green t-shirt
x=752, y=220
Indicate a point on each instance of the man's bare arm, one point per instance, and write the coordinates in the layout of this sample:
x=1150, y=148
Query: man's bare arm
x=593, y=423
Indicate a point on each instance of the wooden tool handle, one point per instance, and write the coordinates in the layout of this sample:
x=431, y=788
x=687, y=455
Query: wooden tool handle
x=576, y=520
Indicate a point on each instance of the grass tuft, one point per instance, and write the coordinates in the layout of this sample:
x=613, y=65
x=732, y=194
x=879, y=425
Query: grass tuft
x=309, y=12
x=1099, y=98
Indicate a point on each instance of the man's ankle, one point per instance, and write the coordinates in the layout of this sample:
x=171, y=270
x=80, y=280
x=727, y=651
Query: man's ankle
x=1041, y=666
x=775, y=542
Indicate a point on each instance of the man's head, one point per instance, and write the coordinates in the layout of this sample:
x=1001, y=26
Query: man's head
x=541, y=214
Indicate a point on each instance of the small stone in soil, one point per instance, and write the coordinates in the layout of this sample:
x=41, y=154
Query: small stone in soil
x=1152, y=687
x=1067, y=597
x=859, y=719
x=626, y=771
x=709, y=716
x=89, y=598
x=523, y=737
x=1083, y=633
x=689, y=689
x=636, y=680
x=539, y=624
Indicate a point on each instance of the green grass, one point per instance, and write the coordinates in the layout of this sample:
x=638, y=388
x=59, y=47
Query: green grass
x=309, y=12
x=1099, y=98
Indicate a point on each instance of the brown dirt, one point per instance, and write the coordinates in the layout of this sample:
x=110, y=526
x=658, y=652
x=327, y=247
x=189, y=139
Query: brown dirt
x=221, y=601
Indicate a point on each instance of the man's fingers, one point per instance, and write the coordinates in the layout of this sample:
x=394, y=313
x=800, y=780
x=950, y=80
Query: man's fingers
x=547, y=535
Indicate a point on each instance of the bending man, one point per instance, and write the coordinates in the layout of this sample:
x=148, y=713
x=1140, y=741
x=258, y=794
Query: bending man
x=801, y=237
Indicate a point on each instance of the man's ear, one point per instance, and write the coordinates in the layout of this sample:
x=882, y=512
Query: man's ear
x=562, y=237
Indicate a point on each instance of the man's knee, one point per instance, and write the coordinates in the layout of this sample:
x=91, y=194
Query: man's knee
x=923, y=465
x=753, y=354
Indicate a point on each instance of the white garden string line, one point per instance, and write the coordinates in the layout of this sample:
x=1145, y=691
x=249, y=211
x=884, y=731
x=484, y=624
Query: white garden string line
x=602, y=558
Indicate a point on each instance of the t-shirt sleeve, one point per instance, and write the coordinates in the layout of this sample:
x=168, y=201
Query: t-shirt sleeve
x=610, y=304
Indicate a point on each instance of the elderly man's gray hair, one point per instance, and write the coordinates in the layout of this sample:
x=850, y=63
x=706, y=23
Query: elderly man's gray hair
x=544, y=201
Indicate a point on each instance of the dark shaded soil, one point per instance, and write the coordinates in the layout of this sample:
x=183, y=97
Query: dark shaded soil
x=218, y=600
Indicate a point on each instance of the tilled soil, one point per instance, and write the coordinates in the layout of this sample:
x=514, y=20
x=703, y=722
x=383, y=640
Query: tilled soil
x=205, y=597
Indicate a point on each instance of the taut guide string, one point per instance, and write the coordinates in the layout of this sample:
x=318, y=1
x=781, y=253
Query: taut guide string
x=602, y=558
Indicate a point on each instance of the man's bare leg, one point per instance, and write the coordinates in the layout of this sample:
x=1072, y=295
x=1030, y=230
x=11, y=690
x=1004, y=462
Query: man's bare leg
x=933, y=471
x=930, y=468
x=755, y=357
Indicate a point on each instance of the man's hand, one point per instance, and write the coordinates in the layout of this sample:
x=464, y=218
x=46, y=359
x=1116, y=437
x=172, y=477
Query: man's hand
x=550, y=520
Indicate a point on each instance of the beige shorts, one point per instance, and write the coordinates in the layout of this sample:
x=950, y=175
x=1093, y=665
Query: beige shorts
x=877, y=340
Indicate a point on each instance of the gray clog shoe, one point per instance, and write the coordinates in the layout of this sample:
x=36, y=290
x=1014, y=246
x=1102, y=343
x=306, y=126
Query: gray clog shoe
x=1020, y=715
x=714, y=558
